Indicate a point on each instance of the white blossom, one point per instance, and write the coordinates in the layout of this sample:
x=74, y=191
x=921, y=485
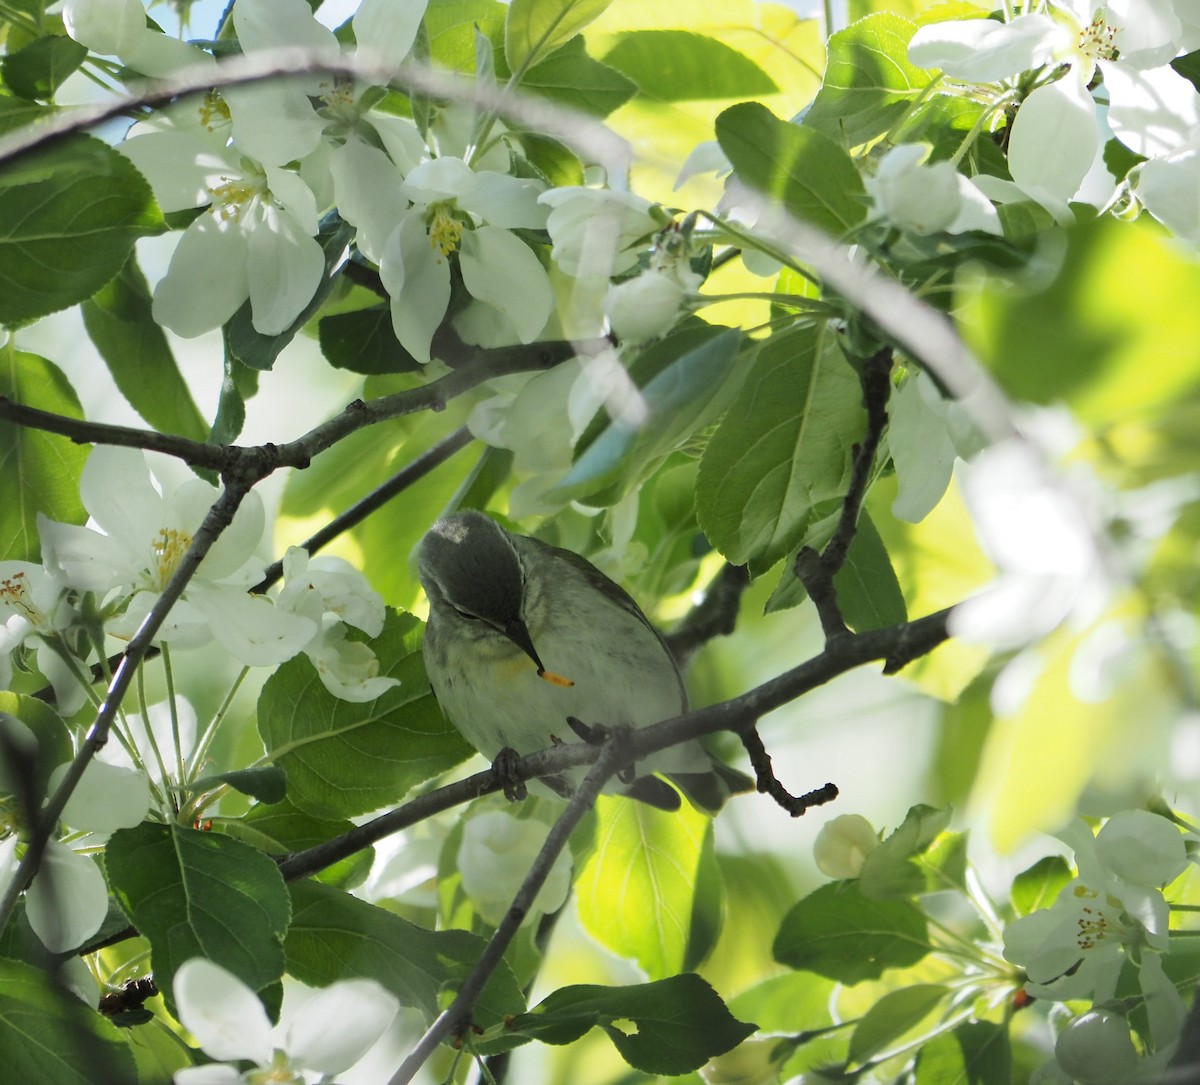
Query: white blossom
x=456, y=209
x=326, y=1035
x=331, y=593
x=135, y=540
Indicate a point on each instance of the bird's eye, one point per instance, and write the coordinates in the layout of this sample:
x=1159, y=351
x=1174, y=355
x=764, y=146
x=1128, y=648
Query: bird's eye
x=465, y=614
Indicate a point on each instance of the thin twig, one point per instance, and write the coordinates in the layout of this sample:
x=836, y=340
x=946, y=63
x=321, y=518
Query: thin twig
x=457, y=1018
x=714, y=616
x=219, y=516
x=816, y=571
x=376, y=499
x=592, y=140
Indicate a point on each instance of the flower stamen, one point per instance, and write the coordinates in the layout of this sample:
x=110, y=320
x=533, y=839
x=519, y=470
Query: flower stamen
x=167, y=551
x=16, y=594
x=445, y=231
x=1097, y=40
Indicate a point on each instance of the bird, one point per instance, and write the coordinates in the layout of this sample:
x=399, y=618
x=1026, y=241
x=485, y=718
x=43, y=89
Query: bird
x=523, y=637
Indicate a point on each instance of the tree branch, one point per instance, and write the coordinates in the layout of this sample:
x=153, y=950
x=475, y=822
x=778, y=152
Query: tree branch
x=714, y=616
x=376, y=499
x=219, y=516
x=817, y=570
x=610, y=758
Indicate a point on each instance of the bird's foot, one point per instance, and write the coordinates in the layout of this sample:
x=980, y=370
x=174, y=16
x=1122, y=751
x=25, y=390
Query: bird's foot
x=595, y=735
x=505, y=769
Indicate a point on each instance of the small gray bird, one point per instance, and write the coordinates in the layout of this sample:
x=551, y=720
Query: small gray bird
x=522, y=635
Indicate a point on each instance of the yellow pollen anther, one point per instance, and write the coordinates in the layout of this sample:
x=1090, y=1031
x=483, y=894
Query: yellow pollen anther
x=445, y=231
x=213, y=111
x=229, y=200
x=166, y=551
x=1097, y=40
x=14, y=591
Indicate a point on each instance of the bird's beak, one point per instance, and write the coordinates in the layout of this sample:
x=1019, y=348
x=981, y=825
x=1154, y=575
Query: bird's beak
x=518, y=633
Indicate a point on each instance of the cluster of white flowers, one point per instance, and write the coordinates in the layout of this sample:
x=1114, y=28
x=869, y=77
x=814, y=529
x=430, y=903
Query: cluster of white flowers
x=128, y=552
x=1113, y=914
x=1097, y=69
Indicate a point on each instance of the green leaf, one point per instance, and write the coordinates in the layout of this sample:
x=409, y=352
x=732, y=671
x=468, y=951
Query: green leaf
x=238, y=384
x=670, y=1027
x=867, y=588
x=838, y=932
x=267, y=783
x=281, y=827
x=451, y=26
x=1188, y=66
x=571, y=78
x=41, y=470
x=775, y=473
x=54, y=746
x=38, y=69
x=1038, y=886
x=897, y=868
x=363, y=342
x=869, y=82
x=806, y=171
x=680, y=66
x=334, y=935
x=1082, y=335
x=648, y=879
x=866, y=584
x=196, y=894
x=975, y=1053
x=49, y=1037
x=17, y=113
x=343, y=758
x=135, y=349
x=69, y=215
x=258, y=351
x=684, y=397
x=892, y=1016
x=535, y=28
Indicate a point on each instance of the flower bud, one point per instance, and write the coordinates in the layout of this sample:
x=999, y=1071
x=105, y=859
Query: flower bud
x=645, y=307
x=1096, y=1049
x=753, y=1062
x=496, y=853
x=843, y=845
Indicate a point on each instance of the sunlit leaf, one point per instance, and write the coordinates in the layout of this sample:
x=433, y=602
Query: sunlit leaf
x=41, y=470
x=640, y=889
x=775, y=473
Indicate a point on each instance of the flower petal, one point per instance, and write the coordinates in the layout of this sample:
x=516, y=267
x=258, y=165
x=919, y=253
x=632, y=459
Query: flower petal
x=1154, y=112
x=250, y=628
x=500, y=269
x=180, y=167
x=335, y=1028
x=417, y=277
x=68, y=900
x=367, y=186
x=286, y=266
x=224, y=1015
x=1061, y=115
x=387, y=28
x=107, y=797
x=274, y=122
x=207, y=280
x=984, y=51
